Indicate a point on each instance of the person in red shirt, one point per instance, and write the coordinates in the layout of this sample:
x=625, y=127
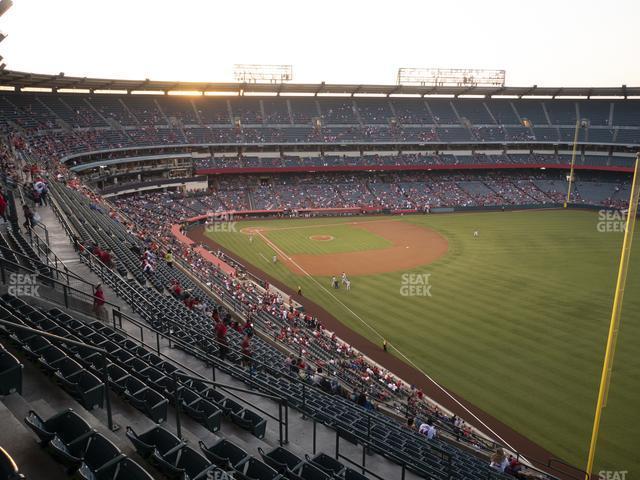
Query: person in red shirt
x=245, y=348
x=221, y=338
x=98, y=304
x=3, y=206
x=105, y=257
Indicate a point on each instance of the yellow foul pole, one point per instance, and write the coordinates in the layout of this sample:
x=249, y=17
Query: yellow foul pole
x=615, y=315
x=573, y=162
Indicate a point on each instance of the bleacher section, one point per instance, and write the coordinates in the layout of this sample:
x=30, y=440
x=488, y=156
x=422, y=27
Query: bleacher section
x=189, y=327
x=104, y=121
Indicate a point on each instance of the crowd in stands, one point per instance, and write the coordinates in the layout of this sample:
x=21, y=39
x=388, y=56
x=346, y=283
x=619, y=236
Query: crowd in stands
x=60, y=125
x=419, y=191
x=405, y=159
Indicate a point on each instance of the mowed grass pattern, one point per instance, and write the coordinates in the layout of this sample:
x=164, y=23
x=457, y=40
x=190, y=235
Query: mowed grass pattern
x=295, y=239
x=516, y=324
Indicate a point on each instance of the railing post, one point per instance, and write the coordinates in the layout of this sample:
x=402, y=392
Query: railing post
x=177, y=405
x=280, y=422
x=158, y=343
x=314, y=436
x=286, y=421
x=337, y=444
x=304, y=404
x=66, y=298
x=213, y=373
x=107, y=396
x=403, y=472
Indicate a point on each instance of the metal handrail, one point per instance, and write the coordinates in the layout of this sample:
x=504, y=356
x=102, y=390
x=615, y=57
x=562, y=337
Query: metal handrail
x=63, y=340
x=65, y=288
x=282, y=403
x=66, y=272
x=307, y=414
x=48, y=252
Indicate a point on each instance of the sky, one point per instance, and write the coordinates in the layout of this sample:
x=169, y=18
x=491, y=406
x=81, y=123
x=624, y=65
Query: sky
x=542, y=42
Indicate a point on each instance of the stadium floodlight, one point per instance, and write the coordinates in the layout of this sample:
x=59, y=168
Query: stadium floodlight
x=252, y=73
x=2, y=36
x=4, y=6
x=451, y=77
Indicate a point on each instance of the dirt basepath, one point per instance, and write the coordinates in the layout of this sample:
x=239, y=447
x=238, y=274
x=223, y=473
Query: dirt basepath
x=522, y=444
x=412, y=247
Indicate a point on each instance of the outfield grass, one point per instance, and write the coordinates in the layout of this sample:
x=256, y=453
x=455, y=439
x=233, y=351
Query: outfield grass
x=516, y=323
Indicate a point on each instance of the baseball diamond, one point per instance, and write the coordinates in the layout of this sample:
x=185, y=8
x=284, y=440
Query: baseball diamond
x=522, y=259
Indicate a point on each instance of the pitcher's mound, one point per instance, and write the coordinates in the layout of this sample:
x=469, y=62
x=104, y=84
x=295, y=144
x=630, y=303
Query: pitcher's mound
x=321, y=238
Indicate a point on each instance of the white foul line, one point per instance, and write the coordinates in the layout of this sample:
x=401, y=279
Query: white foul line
x=280, y=252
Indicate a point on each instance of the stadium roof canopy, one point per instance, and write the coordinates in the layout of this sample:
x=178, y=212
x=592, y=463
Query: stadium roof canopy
x=20, y=80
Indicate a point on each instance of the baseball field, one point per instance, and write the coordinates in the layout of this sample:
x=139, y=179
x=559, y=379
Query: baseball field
x=513, y=319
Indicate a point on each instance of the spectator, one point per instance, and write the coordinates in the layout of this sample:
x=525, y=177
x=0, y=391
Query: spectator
x=105, y=258
x=499, y=460
x=29, y=222
x=3, y=206
x=428, y=430
x=169, y=258
x=221, y=338
x=245, y=349
x=99, y=304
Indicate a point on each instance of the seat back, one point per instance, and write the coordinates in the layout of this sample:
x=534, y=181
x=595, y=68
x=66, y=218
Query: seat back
x=193, y=462
x=68, y=427
x=254, y=468
x=100, y=451
x=280, y=459
x=307, y=471
x=127, y=469
x=224, y=453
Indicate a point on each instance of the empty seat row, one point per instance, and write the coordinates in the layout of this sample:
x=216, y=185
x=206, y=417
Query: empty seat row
x=85, y=453
x=73, y=377
x=76, y=367
x=174, y=458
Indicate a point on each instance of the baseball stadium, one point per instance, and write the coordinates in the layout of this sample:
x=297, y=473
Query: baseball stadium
x=267, y=279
